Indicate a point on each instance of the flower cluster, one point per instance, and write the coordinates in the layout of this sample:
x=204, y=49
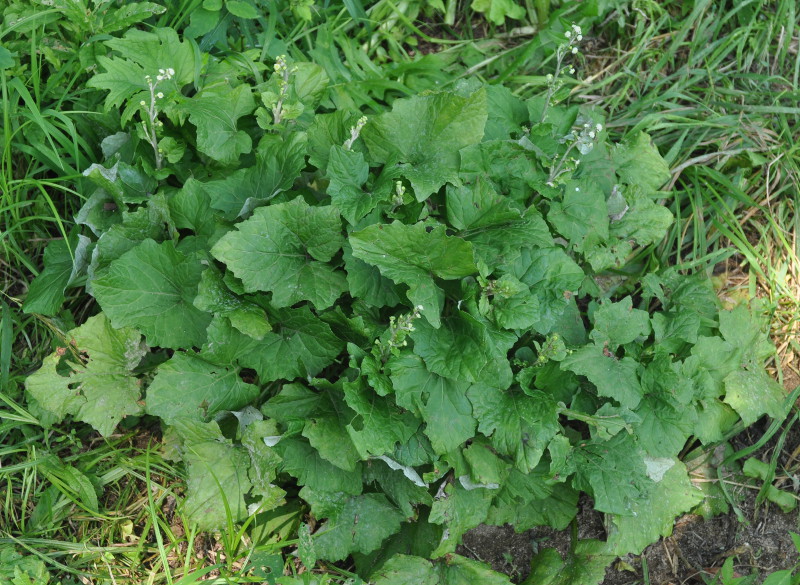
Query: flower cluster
x=354, y=132
x=284, y=73
x=151, y=122
x=399, y=329
x=554, y=80
x=583, y=139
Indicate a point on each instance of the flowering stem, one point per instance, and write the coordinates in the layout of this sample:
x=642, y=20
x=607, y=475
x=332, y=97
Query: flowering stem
x=151, y=123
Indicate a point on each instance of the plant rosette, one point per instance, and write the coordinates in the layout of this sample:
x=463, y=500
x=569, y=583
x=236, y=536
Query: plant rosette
x=416, y=322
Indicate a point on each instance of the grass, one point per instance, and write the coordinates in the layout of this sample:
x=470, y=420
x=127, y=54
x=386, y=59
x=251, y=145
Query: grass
x=716, y=84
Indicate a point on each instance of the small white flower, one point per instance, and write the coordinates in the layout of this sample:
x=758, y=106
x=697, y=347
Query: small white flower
x=592, y=134
x=580, y=38
x=577, y=188
x=159, y=95
x=576, y=28
x=141, y=103
x=568, y=34
x=549, y=77
x=574, y=50
x=571, y=70
x=599, y=127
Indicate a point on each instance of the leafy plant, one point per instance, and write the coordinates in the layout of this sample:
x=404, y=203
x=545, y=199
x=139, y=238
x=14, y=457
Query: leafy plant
x=417, y=323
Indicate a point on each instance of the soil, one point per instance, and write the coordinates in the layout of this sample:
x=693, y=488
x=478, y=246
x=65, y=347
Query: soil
x=758, y=543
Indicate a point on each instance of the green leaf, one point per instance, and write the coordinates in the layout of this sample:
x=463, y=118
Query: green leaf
x=644, y=222
x=665, y=425
x=451, y=570
x=152, y=287
x=619, y=323
x=615, y=378
x=215, y=114
x=6, y=58
x=361, y=524
x=302, y=461
x=241, y=9
x=613, y=472
x=190, y=208
x=507, y=113
x=379, y=425
x=366, y=282
x=300, y=345
x=458, y=510
x=427, y=132
x=465, y=349
x=671, y=494
x=325, y=428
x=519, y=425
x=496, y=229
x=498, y=10
x=347, y=172
x=214, y=297
x=15, y=567
x=284, y=249
x=582, y=215
x=638, y=163
x=529, y=500
x=326, y=131
x=63, y=264
x=143, y=53
x=191, y=388
x=586, y=565
x=146, y=223
x=413, y=255
x=753, y=393
x=278, y=164
x=402, y=491
x=441, y=402
x=99, y=387
x=217, y=472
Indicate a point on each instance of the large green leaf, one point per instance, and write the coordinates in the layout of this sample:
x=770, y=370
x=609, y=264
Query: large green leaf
x=215, y=114
x=494, y=226
x=441, y=402
x=302, y=461
x=465, y=349
x=520, y=425
x=144, y=53
x=379, y=424
x=284, y=249
x=613, y=377
x=152, y=287
x=217, y=470
x=498, y=10
x=753, y=393
x=613, y=472
x=638, y=163
x=671, y=494
x=413, y=255
x=358, y=523
x=450, y=570
x=585, y=565
x=427, y=132
x=458, y=509
x=278, y=164
x=300, y=345
x=63, y=263
x=189, y=387
x=529, y=500
x=347, y=172
x=94, y=380
x=619, y=323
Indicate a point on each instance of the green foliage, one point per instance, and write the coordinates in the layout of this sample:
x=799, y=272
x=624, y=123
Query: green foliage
x=437, y=314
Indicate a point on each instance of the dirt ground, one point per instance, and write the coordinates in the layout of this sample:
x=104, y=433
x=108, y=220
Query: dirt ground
x=697, y=548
